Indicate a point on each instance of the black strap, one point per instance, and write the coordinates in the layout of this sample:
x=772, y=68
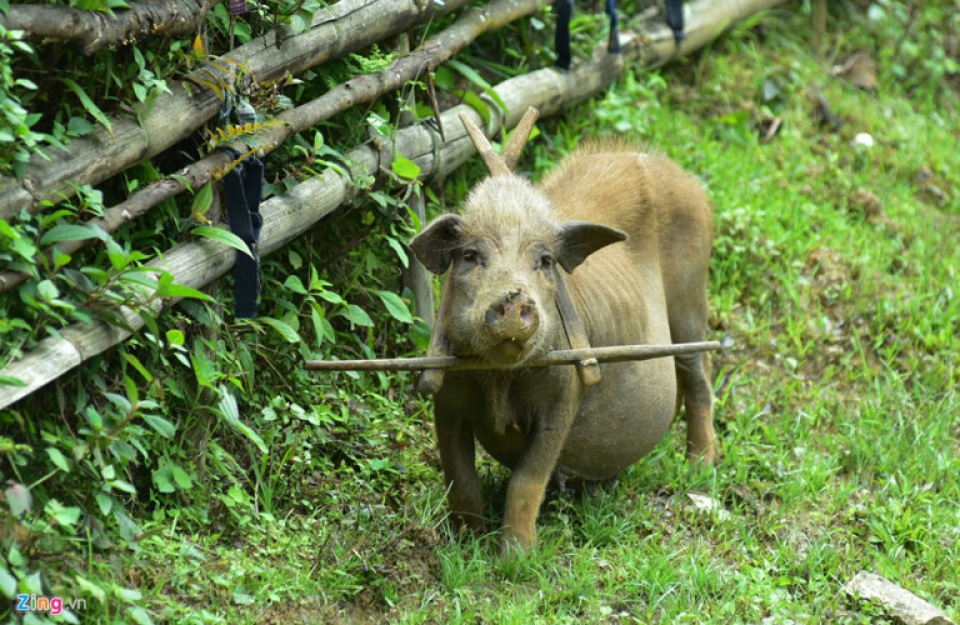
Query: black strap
x=613, y=47
x=675, y=19
x=242, y=187
x=561, y=40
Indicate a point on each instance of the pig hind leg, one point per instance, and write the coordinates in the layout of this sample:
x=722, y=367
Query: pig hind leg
x=689, y=324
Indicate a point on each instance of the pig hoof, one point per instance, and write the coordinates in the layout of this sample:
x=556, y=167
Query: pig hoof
x=514, y=544
x=708, y=456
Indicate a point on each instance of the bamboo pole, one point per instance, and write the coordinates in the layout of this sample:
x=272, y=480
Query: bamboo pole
x=197, y=263
x=609, y=354
x=344, y=27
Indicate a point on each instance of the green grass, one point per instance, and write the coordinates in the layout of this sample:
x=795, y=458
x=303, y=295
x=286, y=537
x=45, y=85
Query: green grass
x=837, y=406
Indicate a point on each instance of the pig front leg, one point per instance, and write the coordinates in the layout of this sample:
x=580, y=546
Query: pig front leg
x=528, y=483
x=458, y=458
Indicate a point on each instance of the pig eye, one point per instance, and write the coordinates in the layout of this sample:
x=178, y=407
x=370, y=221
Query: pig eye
x=472, y=257
x=545, y=263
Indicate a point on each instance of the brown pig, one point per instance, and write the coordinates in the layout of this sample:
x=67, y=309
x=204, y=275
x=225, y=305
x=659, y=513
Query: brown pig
x=631, y=234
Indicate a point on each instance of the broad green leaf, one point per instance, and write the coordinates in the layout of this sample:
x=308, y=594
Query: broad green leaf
x=8, y=583
x=166, y=287
x=401, y=253
x=128, y=529
x=321, y=326
x=222, y=236
x=283, y=329
x=47, y=290
x=203, y=199
x=72, y=232
x=139, y=616
x=473, y=76
x=395, y=306
x=95, y=591
x=63, y=515
x=404, y=167
x=58, y=459
x=203, y=368
x=476, y=103
x=136, y=364
x=162, y=478
x=105, y=502
x=123, y=485
x=130, y=595
x=231, y=414
x=330, y=296
x=357, y=315
x=133, y=393
x=444, y=77
x=160, y=425
x=295, y=284
x=175, y=337
x=79, y=126
x=183, y=479
x=88, y=104
x=420, y=335
x=32, y=584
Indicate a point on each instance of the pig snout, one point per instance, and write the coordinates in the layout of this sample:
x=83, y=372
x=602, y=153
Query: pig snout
x=513, y=317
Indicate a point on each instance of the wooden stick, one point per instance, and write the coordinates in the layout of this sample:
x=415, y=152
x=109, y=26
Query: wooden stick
x=521, y=134
x=491, y=159
x=613, y=353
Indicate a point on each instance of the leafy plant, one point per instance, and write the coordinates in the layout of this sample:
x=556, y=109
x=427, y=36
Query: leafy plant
x=18, y=137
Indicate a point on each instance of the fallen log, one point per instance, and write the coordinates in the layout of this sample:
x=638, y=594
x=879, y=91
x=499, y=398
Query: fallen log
x=611, y=354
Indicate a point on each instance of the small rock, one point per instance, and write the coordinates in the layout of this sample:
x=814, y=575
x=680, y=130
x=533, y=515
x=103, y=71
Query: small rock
x=901, y=603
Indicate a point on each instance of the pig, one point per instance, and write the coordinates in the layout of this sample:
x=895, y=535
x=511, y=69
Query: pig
x=630, y=233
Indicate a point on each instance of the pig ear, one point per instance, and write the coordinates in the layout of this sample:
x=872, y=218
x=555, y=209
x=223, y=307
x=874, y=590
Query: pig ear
x=579, y=239
x=435, y=244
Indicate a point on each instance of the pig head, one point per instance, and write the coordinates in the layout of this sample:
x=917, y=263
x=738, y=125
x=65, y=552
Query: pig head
x=605, y=224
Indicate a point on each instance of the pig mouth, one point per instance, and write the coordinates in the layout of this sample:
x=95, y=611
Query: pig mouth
x=512, y=352
x=508, y=351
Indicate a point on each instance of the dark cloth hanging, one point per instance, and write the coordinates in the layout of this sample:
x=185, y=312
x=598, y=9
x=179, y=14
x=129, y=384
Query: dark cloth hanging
x=564, y=10
x=243, y=187
x=675, y=19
